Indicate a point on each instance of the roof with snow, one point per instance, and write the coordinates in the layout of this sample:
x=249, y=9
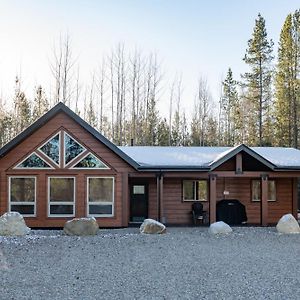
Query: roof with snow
x=171, y=158
x=208, y=158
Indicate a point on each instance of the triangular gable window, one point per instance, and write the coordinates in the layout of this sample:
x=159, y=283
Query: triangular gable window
x=51, y=148
x=72, y=149
x=33, y=162
x=90, y=162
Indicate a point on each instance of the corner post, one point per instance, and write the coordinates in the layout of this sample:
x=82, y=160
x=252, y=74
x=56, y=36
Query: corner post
x=212, y=198
x=264, y=200
x=295, y=198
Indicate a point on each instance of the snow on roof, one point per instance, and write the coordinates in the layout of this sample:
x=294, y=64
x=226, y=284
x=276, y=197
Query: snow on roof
x=203, y=157
x=281, y=157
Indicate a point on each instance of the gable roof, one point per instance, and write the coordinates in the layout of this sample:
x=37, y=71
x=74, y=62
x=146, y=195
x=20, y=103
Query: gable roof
x=152, y=158
x=234, y=151
x=209, y=158
x=60, y=107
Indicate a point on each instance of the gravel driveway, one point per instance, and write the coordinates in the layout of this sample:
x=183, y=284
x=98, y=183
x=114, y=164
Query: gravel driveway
x=185, y=263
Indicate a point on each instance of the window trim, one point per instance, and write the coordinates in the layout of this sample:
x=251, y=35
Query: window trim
x=97, y=203
x=33, y=168
x=64, y=150
x=59, y=149
x=259, y=200
x=195, y=190
x=23, y=202
x=49, y=203
x=87, y=154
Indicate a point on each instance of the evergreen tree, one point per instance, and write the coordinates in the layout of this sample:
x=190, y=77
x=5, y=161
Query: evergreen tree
x=40, y=103
x=258, y=81
x=230, y=110
x=287, y=83
x=21, y=109
x=163, y=133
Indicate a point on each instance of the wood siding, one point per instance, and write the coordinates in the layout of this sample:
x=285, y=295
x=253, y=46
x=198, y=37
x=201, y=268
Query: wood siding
x=118, y=167
x=178, y=212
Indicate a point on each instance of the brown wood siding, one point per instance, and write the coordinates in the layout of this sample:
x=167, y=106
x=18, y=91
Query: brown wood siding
x=63, y=122
x=178, y=212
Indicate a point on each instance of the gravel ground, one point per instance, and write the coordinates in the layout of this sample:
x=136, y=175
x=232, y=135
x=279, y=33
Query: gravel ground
x=184, y=263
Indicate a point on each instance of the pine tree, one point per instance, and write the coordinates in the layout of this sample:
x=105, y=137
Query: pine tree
x=230, y=110
x=21, y=109
x=258, y=81
x=287, y=78
x=40, y=104
x=163, y=133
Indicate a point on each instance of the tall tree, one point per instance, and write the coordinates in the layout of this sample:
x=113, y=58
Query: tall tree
x=22, y=112
x=230, y=111
x=40, y=103
x=287, y=98
x=258, y=81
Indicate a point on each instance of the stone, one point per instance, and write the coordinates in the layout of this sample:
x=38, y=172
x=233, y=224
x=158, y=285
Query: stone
x=152, y=227
x=288, y=224
x=219, y=228
x=81, y=226
x=12, y=223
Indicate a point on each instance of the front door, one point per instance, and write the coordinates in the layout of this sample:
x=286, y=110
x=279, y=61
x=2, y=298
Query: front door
x=138, y=202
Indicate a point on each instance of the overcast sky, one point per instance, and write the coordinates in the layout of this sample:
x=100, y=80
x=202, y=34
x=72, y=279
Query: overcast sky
x=191, y=37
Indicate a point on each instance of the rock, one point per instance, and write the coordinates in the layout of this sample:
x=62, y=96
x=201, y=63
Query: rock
x=81, y=226
x=288, y=224
x=153, y=227
x=219, y=228
x=12, y=223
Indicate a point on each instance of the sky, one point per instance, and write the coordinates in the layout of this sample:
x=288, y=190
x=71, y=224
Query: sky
x=192, y=38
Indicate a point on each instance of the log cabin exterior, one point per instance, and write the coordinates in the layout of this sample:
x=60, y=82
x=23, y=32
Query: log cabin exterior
x=60, y=168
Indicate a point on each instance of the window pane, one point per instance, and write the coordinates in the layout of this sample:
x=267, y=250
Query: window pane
x=271, y=190
x=61, y=189
x=202, y=190
x=101, y=189
x=33, y=161
x=22, y=189
x=139, y=189
x=51, y=149
x=72, y=149
x=23, y=209
x=91, y=162
x=188, y=190
x=61, y=209
x=255, y=190
x=100, y=209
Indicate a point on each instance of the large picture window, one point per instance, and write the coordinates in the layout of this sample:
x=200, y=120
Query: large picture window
x=194, y=190
x=256, y=190
x=22, y=195
x=61, y=195
x=100, y=193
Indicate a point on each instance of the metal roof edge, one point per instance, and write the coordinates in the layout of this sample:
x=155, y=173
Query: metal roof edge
x=238, y=149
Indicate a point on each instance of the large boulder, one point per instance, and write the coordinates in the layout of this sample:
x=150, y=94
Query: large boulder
x=81, y=226
x=288, y=224
x=12, y=223
x=219, y=228
x=152, y=227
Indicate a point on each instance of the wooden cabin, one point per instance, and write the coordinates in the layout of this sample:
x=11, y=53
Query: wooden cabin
x=60, y=168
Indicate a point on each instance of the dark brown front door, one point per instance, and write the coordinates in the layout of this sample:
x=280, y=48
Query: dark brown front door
x=138, y=202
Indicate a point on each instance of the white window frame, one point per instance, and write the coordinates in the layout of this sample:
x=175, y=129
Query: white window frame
x=59, y=154
x=99, y=203
x=61, y=203
x=23, y=202
x=195, y=190
x=104, y=168
x=33, y=168
x=64, y=152
x=258, y=200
